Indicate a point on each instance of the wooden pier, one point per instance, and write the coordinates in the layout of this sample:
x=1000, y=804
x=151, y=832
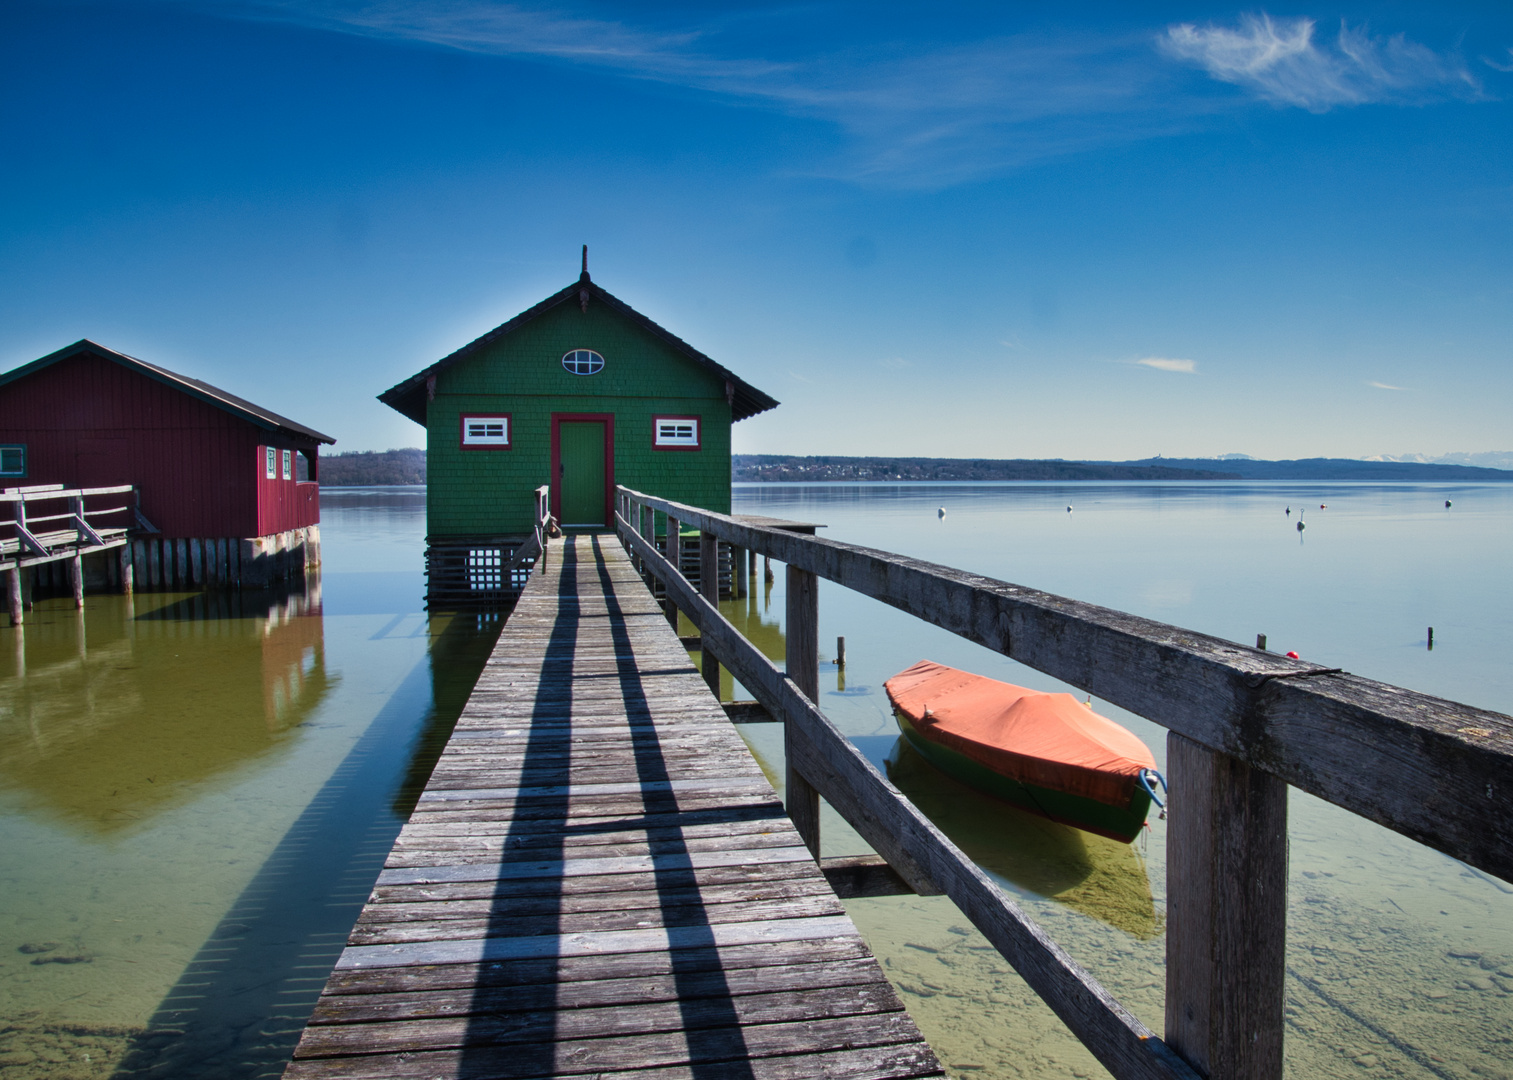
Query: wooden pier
x=62, y=537
x=599, y=880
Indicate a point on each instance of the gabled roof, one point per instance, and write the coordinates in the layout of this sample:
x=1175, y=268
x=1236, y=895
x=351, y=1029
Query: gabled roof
x=213, y=395
x=409, y=397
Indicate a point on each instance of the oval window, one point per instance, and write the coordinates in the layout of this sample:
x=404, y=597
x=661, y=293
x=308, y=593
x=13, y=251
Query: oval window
x=583, y=362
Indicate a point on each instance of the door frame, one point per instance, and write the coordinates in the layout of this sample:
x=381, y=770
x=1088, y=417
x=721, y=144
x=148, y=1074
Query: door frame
x=608, y=420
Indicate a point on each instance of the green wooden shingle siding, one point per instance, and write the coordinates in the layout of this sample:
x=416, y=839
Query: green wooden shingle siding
x=488, y=492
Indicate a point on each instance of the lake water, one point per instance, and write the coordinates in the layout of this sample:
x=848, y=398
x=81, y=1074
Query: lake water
x=195, y=795
x=1400, y=960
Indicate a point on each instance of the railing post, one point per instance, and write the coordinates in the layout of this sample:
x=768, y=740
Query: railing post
x=13, y=588
x=803, y=666
x=672, y=557
x=709, y=588
x=1226, y=851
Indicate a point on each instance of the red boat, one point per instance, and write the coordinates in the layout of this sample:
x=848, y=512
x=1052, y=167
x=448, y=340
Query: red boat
x=1048, y=753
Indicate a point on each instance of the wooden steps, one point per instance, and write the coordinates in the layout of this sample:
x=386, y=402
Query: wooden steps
x=599, y=881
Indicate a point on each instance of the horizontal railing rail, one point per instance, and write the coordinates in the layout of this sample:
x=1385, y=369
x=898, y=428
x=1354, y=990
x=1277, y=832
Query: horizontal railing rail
x=1244, y=724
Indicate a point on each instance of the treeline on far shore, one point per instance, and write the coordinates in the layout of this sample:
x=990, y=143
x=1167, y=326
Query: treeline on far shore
x=372, y=468
x=367, y=468
x=781, y=468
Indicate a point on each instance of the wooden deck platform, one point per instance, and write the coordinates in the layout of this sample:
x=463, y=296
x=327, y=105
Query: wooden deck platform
x=599, y=881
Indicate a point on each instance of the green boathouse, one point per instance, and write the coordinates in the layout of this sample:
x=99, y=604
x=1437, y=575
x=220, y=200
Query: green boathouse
x=580, y=393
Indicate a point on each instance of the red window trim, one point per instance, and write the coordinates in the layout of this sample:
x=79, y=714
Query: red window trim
x=509, y=431
x=608, y=420
x=699, y=427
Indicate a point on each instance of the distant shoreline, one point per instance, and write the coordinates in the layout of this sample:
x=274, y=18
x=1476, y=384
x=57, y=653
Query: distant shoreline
x=392, y=468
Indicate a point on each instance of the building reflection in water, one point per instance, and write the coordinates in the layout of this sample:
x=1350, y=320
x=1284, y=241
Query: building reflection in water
x=112, y=714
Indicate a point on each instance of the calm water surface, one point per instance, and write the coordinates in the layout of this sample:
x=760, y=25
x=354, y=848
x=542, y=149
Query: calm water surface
x=195, y=794
x=1400, y=960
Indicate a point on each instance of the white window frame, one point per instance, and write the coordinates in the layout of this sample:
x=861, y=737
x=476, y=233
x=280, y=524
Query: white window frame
x=472, y=439
x=288, y=464
x=675, y=433
x=270, y=470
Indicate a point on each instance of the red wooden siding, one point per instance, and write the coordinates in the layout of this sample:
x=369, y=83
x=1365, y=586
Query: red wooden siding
x=88, y=421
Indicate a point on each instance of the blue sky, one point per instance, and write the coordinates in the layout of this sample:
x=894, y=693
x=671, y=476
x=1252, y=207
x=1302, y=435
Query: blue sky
x=1032, y=231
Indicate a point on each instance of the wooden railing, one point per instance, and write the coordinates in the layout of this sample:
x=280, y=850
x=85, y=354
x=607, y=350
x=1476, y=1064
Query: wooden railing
x=1243, y=724
x=71, y=533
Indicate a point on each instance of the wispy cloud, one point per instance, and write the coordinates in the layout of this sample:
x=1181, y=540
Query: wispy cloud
x=1383, y=386
x=1282, y=60
x=911, y=114
x=1162, y=363
x=1508, y=67
x=925, y=114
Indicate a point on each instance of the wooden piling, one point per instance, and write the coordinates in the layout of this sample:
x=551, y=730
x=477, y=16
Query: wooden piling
x=76, y=579
x=128, y=577
x=13, y=590
x=803, y=667
x=840, y=653
x=1226, y=927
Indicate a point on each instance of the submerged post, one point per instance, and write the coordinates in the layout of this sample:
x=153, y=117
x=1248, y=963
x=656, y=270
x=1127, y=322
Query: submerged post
x=13, y=589
x=803, y=665
x=709, y=588
x=128, y=575
x=1226, y=913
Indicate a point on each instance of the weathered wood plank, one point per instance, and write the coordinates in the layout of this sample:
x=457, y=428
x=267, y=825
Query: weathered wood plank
x=684, y=985
x=579, y=1057
x=598, y=878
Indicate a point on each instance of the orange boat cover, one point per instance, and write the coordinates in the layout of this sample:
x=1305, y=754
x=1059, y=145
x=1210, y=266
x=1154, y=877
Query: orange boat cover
x=1050, y=740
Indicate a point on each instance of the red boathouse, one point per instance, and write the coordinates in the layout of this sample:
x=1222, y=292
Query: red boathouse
x=228, y=491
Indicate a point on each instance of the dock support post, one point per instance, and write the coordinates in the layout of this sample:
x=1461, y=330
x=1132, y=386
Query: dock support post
x=709, y=588
x=1226, y=913
x=76, y=578
x=737, y=578
x=13, y=589
x=803, y=665
x=672, y=557
x=128, y=568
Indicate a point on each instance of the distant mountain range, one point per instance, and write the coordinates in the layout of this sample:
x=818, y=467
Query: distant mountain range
x=1332, y=469
x=366, y=468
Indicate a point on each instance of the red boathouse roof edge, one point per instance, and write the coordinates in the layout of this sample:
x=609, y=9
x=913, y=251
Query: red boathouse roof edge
x=213, y=395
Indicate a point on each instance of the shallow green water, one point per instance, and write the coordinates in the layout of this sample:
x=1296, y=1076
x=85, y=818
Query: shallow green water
x=1400, y=960
x=196, y=793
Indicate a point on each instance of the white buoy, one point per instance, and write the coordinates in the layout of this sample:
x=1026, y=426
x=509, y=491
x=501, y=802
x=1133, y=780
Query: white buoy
x=941, y=512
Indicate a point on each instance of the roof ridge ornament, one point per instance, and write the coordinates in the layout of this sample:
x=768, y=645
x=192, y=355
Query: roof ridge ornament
x=583, y=280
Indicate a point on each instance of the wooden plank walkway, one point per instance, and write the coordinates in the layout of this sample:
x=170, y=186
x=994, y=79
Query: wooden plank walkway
x=599, y=881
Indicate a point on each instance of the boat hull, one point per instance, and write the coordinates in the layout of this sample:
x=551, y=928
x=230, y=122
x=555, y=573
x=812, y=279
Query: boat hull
x=1117, y=823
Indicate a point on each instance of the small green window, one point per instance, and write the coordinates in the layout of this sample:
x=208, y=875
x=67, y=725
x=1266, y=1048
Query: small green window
x=13, y=459
x=271, y=472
